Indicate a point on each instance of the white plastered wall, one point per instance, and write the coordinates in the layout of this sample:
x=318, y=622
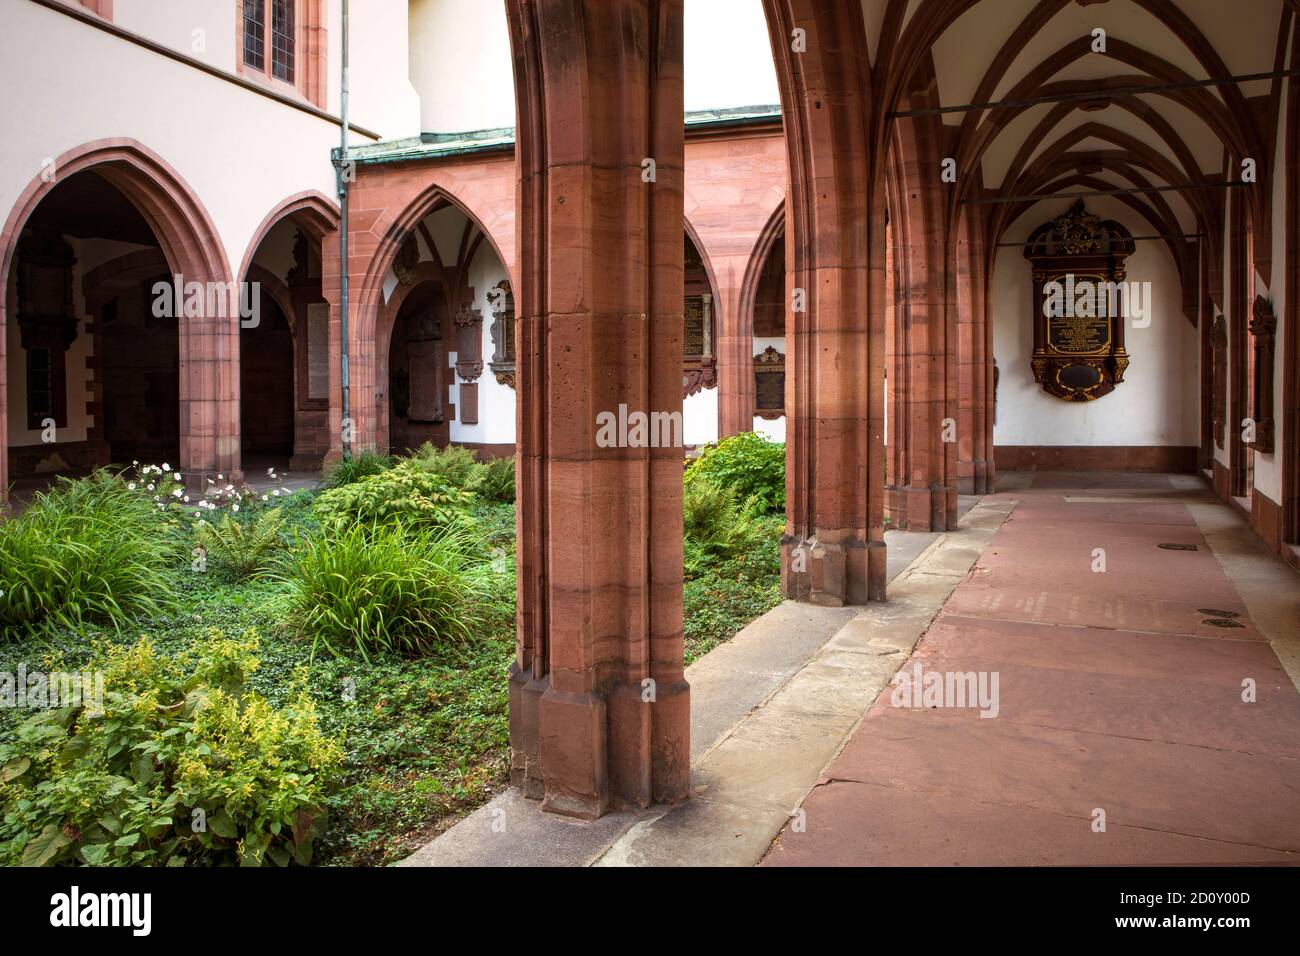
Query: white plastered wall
x=1157, y=403
x=241, y=153
x=1268, y=468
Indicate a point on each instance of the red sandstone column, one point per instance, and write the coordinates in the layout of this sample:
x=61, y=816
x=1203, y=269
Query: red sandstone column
x=923, y=436
x=209, y=388
x=975, y=466
x=833, y=550
x=599, y=707
x=735, y=349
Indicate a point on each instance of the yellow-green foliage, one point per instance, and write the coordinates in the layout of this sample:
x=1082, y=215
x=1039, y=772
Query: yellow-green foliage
x=180, y=766
x=406, y=492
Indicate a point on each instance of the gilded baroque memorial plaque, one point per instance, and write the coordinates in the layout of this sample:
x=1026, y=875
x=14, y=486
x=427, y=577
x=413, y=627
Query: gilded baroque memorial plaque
x=1079, y=302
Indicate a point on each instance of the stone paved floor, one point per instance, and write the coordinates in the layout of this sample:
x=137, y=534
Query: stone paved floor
x=1117, y=692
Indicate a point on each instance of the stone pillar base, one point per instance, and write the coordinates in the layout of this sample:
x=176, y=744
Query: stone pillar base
x=573, y=750
x=525, y=735
x=921, y=509
x=832, y=573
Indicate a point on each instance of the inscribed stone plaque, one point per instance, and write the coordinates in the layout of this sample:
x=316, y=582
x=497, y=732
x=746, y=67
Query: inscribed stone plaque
x=1078, y=334
x=769, y=390
x=694, y=341
x=318, y=350
x=424, y=358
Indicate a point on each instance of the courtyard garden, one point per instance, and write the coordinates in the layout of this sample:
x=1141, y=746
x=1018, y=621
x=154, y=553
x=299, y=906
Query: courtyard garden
x=314, y=677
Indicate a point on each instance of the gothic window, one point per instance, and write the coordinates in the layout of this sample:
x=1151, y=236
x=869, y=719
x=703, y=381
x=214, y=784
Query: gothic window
x=269, y=41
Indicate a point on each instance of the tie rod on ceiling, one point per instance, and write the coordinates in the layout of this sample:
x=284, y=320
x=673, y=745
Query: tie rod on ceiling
x=1151, y=238
x=1099, y=94
x=1126, y=191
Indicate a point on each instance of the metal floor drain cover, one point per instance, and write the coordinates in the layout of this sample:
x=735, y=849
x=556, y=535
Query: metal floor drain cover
x=1215, y=612
x=1222, y=622
x=1178, y=547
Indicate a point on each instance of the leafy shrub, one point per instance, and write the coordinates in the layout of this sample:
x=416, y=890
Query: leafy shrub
x=405, y=493
x=460, y=466
x=88, y=551
x=183, y=766
x=241, y=550
x=361, y=465
x=718, y=525
x=498, y=482
x=748, y=462
x=384, y=589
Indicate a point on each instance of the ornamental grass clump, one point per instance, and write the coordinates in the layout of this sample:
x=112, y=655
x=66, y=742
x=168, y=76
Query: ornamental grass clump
x=89, y=551
x=386, y=589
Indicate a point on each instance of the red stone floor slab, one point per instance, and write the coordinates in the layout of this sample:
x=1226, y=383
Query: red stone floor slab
x=1222, y=795
x=954, y=640
x=1112, y=694
x=853, y=824
x=1109, y=480
x=1171, y=709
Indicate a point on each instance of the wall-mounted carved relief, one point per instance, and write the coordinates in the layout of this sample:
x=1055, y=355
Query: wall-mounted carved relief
x=1263, y=329
x=1079, y=284
x=501, y=301
x=701, y=366
x=407, y=262
x=1219, y=379
x=769, y=384
x=699, y=363
x=469, y=341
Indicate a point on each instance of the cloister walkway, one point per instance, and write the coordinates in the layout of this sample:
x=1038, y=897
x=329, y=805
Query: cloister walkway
x=1127, y=618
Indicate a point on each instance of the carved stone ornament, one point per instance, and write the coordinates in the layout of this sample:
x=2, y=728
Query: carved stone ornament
x=1263, y=331
x=501, y=301
x=1219, y=379
x=769, y=384
x=407, y=261
x=1080, y=232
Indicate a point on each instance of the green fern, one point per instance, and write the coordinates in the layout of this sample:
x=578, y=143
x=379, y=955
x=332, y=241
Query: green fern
x=242, y=551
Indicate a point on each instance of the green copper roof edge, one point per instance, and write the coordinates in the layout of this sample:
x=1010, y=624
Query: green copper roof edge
x=441, y=145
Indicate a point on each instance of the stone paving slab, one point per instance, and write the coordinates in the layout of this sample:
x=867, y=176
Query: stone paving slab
x=954, y=639
x=509, y=830
x=1112, y=694
x=1227, y=796
x=854, y=824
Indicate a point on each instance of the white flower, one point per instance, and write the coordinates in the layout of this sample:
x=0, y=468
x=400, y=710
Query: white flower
x=221, y=477
x=130, y=486
x=270, y=472
x=166, y=467
x=234, y=507
x=264, y=497
x=150, y=486
x=177, y=492
x=186, y=499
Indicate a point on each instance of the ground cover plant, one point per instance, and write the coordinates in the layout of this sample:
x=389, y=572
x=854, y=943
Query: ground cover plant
x=353, y=637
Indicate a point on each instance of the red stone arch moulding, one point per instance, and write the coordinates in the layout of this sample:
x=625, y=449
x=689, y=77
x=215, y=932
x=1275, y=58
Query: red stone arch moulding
x=368, y=269
x=209, y=429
